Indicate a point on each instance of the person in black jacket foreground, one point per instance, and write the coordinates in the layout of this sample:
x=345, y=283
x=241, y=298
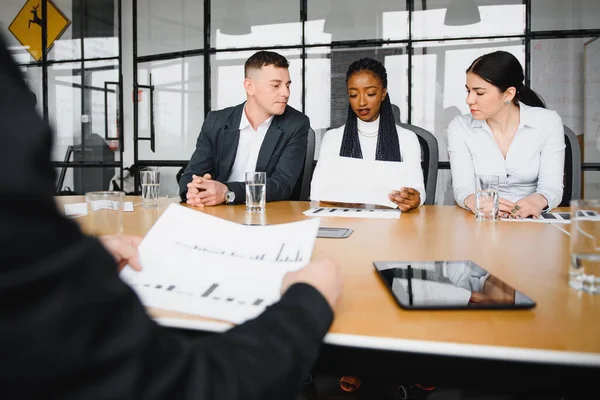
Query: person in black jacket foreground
x=71, y=329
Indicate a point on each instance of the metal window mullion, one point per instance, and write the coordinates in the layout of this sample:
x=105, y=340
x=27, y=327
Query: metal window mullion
x=136, y=178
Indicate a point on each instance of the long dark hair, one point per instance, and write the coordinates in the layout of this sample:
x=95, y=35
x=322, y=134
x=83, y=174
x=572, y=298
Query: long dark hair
x=388, y=147
x=503, y=70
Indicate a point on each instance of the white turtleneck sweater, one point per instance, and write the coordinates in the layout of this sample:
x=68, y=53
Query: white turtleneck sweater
x=410, y=149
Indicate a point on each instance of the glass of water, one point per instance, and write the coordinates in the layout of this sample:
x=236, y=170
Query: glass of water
x=486, y=200
x=105, y=212
x=150, y=179
x=584, y=271
x=256, y=191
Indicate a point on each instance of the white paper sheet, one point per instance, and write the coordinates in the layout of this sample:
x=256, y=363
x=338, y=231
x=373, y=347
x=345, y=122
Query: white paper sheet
x=353, y=212
x=351, y=180
x=81, y=208
x=202, y=265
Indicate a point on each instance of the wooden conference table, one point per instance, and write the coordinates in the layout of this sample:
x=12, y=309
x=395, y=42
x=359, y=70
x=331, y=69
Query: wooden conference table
x=563, y=329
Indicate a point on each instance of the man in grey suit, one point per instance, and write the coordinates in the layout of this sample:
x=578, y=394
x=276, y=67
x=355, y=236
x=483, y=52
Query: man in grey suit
x=262, y=134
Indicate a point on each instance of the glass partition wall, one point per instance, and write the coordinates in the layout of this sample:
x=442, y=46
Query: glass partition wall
x=188, y=55
x=69, y=52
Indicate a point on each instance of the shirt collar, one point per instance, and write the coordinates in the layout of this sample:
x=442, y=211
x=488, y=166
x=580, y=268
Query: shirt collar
x=526, y=117
x=244, y=123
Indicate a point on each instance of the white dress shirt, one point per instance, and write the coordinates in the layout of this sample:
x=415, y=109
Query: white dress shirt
x=410, y=149
x=534, y=161
x=248, y=148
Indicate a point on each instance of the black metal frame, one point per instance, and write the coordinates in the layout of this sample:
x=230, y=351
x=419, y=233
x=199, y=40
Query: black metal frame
x=207, y=51
x=44, y=63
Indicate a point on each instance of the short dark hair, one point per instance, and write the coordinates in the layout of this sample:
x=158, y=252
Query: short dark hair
x=503, y=70
x=263, y=58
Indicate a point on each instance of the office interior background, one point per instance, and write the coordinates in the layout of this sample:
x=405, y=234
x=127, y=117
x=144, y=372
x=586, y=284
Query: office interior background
x=129, y=82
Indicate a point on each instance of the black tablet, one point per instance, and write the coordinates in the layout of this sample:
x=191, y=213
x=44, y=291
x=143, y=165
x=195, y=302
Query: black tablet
x=448, y=285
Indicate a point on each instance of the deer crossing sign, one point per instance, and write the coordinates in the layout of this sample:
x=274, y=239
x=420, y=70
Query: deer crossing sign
x=27, y=26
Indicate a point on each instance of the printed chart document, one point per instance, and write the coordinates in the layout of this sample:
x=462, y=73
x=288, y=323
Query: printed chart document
x=545, y=218
x=198, y=264
x=351, y=180
x=557, y=217
x=353, y=212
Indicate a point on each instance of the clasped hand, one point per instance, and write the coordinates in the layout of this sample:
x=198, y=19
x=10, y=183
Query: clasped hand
x=204, y=191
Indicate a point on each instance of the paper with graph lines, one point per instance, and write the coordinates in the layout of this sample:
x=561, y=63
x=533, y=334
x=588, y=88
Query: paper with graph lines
x=199, y=264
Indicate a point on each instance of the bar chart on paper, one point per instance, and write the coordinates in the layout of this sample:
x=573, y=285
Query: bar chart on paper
x=224, y=271
x=284, y=252
x=220, y=299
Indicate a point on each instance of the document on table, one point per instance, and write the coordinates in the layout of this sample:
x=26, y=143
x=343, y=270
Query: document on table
x=351, y=180
x=545, y=218
x=198, y=264
x=81, y=208
x=353, y=212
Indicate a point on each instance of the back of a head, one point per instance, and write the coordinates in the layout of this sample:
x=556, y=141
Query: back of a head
x=503, y=70
x=263, y=58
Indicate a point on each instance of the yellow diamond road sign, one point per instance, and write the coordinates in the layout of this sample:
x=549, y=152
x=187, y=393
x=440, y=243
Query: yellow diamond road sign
x=27, y=26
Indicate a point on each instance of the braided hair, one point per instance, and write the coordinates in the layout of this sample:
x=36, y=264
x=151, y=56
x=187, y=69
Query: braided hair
x=388, y=147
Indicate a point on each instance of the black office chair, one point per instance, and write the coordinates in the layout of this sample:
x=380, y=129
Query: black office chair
x=88, y=179
x=302, y=189
x=572, y=177
x=429, y=160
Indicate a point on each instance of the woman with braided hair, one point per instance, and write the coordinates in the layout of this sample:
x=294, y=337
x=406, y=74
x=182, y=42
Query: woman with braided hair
x=370, y=132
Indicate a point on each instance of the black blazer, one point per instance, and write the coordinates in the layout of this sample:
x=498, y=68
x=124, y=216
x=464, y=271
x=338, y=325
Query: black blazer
x=281, y=156
x=71, y=329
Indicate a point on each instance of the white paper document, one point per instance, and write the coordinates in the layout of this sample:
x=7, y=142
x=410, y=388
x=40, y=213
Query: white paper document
x=81, y=208
x=198, y=264
x=351, y=180
x=545, y=218
x=353, y=212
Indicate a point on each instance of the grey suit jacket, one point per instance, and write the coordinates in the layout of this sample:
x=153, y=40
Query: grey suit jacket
x=281, y=155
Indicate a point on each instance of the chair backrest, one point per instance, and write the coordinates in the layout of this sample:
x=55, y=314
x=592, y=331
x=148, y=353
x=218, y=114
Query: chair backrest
x=93, y=179
x=429, y=159
x=572, y=179
x=302, y=189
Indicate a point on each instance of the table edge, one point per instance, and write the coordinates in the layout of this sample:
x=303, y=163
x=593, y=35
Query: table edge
x=498, y=353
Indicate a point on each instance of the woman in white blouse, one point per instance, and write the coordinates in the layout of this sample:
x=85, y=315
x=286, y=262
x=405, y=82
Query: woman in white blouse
x=508, y=133
x=370, y=132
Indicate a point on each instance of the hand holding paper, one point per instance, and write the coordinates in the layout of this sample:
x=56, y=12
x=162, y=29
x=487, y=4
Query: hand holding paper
x=406, y=198
x=198, y=264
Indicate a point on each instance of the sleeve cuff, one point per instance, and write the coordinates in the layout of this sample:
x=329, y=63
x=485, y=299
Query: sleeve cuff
x=551, y=203
x=460, y=201
x=312, y=302
x=239, y=188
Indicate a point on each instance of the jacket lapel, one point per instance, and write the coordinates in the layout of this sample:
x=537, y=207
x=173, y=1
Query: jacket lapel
x=229, y=142
x=269, y=143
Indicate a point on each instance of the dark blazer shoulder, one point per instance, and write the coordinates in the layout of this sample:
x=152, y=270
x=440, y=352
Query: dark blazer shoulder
x=221, y=117
x=292, y=115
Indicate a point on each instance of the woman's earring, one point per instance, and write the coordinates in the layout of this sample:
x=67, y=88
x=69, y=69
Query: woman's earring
x=507, y=102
